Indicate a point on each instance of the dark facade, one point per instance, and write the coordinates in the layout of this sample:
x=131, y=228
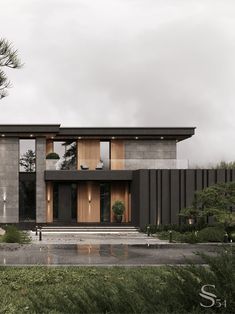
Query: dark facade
x=96, y=167
x=158, y=195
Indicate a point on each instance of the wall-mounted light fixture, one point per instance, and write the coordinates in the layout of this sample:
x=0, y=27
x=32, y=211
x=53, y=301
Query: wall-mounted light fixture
x=162, y=137
x=79, y=137
x=4, y=197
x=136, y=138
x=31, y=135
x=3, y=135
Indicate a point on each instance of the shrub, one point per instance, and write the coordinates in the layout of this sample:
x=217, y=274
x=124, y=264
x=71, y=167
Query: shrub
x=52, y=156
x=211, y=234
x=13, y=235
x=118, y=208
x=179, y=228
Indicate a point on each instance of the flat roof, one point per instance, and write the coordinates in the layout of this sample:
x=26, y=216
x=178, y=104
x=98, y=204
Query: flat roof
x=58, y=132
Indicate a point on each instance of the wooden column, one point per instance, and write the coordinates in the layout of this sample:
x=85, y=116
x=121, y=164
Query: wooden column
x=49, y=146
x=120, y=192
x=49, y=201
x=117, y=155
x=88, y=203
x=88, y=153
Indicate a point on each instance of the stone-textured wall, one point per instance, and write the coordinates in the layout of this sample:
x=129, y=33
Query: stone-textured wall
x=150, y=154
x=40, y=182
x=9, y=180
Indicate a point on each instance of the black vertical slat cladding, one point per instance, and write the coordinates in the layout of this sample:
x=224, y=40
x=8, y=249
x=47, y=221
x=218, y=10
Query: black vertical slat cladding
x=182, y=189
x=135, y=202
x=174, y=197
x=190, y=186
x=159, y=184
x=211, y=177
x=220, y=175
x=165, y=197
x=233, y=174
x=144, y=218
x=153, y=196
x=199, y=183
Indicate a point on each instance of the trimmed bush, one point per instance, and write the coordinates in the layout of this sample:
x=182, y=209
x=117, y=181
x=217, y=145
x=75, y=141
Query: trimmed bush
x=211, y=234
x=179, y=228
x=13, y=235
x=232, y=236
x=52, y=156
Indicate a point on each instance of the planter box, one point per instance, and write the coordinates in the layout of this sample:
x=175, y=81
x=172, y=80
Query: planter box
x=51, y=164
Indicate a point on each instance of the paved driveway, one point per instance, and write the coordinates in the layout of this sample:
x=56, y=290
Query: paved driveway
x=101, y=254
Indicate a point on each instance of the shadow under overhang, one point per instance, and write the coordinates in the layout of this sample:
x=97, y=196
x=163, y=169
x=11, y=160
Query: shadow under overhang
x=88, y=175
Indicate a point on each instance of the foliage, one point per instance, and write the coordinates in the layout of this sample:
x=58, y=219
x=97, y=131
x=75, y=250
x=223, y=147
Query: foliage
x=13, y=235
x=225, y=165
x=180, y=228
x=217, y=201
x=28, y=161
x=208, y=234
x=8, y=59
x=117, y=289
x=211, y=234
x=53, y=156
x=118, y=208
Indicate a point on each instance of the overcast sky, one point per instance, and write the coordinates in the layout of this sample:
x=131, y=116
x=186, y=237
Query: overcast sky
x=126, y=63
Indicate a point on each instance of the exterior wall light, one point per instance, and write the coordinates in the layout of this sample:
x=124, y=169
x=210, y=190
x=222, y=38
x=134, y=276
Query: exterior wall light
x=79, y=137
x=136, y=138
x=31, y=135
x=3, y=135
x=162, y=137
x=113, y=138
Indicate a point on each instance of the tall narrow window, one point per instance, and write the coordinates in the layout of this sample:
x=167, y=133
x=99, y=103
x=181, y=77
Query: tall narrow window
x=27, y=162
x=105, y=154
x=105, y=202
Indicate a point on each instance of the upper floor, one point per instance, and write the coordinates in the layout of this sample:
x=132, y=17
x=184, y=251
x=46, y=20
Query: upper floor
x=94, y=148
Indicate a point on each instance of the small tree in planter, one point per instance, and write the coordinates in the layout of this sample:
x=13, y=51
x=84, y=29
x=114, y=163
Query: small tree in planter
x=190, y=213
x=118, y=210
x=51, y=160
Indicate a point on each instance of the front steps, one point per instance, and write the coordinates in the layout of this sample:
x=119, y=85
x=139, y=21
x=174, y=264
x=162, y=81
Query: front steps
x=90, y=230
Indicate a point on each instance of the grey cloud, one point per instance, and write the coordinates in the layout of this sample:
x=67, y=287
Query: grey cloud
x=159, y=63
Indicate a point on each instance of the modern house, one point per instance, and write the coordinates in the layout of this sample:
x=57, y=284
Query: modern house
x=96, y=167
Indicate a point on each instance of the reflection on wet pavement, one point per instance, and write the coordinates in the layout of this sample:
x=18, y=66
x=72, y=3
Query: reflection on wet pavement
x=102, y=254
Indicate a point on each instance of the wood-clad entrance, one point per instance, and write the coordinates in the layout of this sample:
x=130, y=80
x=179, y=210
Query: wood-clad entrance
x=88, y=204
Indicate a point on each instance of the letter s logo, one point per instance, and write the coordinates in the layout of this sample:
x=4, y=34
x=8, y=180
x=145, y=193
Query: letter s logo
x=208, y=296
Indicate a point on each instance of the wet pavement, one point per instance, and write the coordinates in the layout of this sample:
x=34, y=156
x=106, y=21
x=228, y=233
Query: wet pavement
x=100, y=254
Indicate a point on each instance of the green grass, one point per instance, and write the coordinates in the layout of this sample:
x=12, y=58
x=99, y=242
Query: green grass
x=116, y=289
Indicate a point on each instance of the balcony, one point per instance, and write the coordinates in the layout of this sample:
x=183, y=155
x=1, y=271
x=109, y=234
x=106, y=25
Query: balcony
x=118, y=164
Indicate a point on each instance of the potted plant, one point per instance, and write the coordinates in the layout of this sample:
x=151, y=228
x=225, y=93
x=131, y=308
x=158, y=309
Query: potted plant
x=190, y=213
x=51, y=161
x=118, y=210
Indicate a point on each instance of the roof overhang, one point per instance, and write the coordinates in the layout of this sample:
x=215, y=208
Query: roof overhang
x=63, y=133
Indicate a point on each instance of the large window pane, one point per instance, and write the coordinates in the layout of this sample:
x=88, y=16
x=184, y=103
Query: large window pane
x=27, y=200
x=27, y=162
x=68, y=155
x=105, y=202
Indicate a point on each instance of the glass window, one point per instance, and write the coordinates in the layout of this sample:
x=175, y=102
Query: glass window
x=27, y=162
x=105, y=154
x=105, y=202
x=68, y=155
x=27, y=200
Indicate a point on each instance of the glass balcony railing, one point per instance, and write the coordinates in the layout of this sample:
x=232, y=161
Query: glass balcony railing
x=118, y=164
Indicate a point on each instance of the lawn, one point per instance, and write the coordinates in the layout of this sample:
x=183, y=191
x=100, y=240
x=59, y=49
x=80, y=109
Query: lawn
x=115, y=289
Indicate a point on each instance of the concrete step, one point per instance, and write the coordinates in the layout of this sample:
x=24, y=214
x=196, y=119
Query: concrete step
x=92, y=229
